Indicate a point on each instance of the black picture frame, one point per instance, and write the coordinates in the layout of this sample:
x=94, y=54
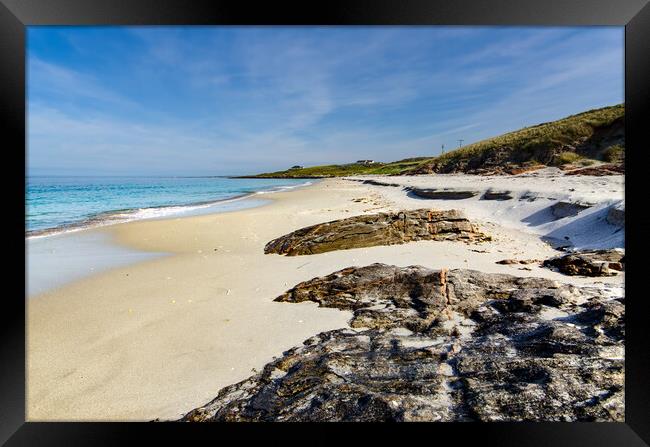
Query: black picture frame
x=16, y=15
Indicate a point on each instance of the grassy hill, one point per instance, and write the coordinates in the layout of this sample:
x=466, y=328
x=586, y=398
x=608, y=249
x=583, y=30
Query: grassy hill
x=593, y=135
x=582, y=139
x=395, y=167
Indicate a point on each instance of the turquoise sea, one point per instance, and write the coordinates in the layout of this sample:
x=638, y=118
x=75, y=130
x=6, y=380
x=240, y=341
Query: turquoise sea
x=55, y=204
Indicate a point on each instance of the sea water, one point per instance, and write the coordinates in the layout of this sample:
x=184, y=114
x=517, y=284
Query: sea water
x=56, y=207
x=59, y=204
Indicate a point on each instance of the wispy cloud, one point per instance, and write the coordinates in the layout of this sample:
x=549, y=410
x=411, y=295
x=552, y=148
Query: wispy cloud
x=50, y=78
x=230, y=100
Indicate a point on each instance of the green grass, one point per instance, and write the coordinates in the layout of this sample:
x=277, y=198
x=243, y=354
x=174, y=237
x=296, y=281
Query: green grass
x=348, y=169
x=531, y=144
x=537, y=144
x=585, y=162
x=614, y=154
x=567, y=157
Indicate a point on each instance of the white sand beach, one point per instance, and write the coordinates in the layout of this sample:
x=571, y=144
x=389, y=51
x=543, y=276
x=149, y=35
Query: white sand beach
x=157, y=338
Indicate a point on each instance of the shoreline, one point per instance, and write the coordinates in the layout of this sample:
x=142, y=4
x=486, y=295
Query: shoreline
x=158, y=338
x=60, y=259
x=63, y=255
x=113, y=217
x=106, y=218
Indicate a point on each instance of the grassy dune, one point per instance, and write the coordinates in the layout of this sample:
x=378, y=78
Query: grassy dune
x=586, y=136
x=582, y=139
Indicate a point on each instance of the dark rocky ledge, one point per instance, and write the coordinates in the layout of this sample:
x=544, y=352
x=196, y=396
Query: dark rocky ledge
x=429, y=345
x=568, y=209
x=377, y=229
x=517, y=261
x=605, y=169
x=491, y=194
x=378, y=183
x=442, y=194
x=589, y=263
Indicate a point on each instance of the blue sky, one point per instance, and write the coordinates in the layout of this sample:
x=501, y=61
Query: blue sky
x=234, y=100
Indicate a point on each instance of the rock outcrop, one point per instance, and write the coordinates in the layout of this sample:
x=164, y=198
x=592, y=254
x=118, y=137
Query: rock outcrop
x=442, y=194
x=589, y=263
x=599, y=171
x=491, y=194
x=378, y=183
x=616, y=215
x=491, y=167
x=430, y=345
x=377, y=229
x=517, y=261
x=568, y=209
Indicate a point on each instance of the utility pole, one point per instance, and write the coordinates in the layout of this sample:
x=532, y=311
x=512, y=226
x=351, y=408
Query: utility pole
x=460, y=143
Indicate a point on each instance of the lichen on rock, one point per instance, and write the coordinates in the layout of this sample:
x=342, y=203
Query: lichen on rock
x=377, y=229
